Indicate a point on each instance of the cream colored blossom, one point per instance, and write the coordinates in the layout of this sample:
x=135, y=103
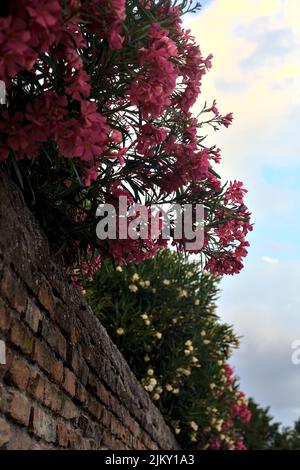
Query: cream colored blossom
x=193, y=425
x=183, y=293
x=133, y=288
x=120, y=331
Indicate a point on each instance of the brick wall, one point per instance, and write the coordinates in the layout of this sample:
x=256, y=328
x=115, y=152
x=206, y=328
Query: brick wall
x=64, y=384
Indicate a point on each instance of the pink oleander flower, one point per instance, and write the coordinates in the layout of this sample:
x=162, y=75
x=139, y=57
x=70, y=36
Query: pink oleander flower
x=44, y=12
x=227, y=120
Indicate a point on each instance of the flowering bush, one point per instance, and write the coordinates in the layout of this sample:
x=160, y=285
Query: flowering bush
x=99, y=97
x=161, y=314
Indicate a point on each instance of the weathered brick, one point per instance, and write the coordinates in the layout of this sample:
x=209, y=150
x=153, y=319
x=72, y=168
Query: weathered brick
x=102, y=393
x=95, y=407
x=45, y=392
x=81, y=393
x=5, y=398
x=5, y=318
x=133, y=427
x=57, y=371
x=5, y=431
x=20, y=408
x=80, y=367
x=62, y=434
x=65, y=320
x=42, y=424
x=117, y=428
x=54, y=337
x=13, y=290
x=21, y=336
x=20, y=440
x=69, y=382
x=47, y=361
x=112, y=443
x=68, y=409
x=18, y=373
x=46, y=298
x=32, y=315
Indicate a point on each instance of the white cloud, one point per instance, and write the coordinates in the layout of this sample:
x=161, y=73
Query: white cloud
x=263, y=304
x=265, y=92
x=269, y=260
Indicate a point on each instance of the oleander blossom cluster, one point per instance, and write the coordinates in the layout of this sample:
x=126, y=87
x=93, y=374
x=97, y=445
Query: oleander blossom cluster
x=226, y=435
x=99, y=98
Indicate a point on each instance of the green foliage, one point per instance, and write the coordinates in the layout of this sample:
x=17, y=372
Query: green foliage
x=265, y=434
x=162, y=316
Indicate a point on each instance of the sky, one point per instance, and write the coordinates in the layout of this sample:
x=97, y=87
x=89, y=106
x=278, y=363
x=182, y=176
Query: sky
x=256, y=75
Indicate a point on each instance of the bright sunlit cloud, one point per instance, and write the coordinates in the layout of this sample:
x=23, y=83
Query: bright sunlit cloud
x=269, y=260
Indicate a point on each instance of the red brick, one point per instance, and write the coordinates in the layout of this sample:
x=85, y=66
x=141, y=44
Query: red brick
x=53, y=397
x=5, y=432
x=20, y=408
x=18, y=373
x=13, y=291
x=45, y=392
x=102, y=393
x=106, y=418
x=80, y=393
x=112, y=443
x=47, y=361
x=36, y=386
x=117, y=428
x=5, y=318
x=80, y=367
x=21, y=336
x=43, y=425
x=20, y=440
x=133, y=427
x=5, y=398
x=95, y=407
x=62, y=435
x=69, y=410
x=57, y=371
x=54, y=337
x=32, y=315
x=46, y=298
